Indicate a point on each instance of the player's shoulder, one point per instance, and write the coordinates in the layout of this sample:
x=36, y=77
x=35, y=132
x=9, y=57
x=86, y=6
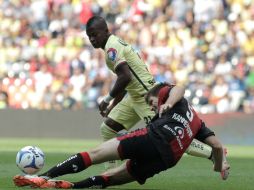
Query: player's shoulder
x=115, y=42
x=115, y=48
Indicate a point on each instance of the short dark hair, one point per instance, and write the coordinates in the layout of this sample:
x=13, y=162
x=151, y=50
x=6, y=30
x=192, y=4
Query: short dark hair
x=154, y=91
x=97, y=19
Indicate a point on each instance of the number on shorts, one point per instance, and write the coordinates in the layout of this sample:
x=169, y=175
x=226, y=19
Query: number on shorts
x=147, y=119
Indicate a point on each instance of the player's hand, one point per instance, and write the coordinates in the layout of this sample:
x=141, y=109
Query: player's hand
x=103, y=108
x=106, y=112
x=164, y=108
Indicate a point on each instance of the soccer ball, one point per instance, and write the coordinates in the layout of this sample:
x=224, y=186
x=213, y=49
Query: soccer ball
x=30, y=159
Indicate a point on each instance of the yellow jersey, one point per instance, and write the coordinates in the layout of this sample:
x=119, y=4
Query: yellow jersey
x=116, y=52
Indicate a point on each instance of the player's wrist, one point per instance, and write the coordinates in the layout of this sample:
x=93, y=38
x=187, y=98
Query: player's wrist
x=169, y=104
x=107, y=98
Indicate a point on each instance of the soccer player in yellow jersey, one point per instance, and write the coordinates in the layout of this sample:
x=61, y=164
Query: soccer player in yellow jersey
x=134, y=79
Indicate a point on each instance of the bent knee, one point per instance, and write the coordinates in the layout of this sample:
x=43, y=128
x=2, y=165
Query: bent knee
x=107, y=132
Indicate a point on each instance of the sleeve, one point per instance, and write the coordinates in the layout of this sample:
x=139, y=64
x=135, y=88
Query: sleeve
x=170, y=86
x=115, y=54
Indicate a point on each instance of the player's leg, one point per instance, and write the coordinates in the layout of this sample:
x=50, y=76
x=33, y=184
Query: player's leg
x=145, y=161
x=127, y=146
x=143, y=110
x=121, y=117
x=134, y=145
x=128, y=172
x=115, y=176
x=119, y=176
x=109, y=129
x=104, y=152
x=79, y=162
x=74, y=164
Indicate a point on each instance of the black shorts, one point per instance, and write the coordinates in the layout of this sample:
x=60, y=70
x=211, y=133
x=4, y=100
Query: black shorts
x=204, y=132
x=145, y=160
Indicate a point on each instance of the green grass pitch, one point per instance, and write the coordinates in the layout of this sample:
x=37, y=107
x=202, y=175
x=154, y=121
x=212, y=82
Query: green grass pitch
x=191, y=173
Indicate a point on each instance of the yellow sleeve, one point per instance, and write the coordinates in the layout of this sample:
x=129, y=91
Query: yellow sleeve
x=115, y=53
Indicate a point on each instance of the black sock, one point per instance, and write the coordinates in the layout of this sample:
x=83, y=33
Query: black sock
x=73, y=164
x=100, y=182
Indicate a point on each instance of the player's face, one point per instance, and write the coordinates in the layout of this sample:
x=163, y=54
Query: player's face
x=153, y=103
x=96, y=37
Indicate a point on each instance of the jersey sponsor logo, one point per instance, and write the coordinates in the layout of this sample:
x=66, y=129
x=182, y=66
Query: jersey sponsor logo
x=179, y=142
x=112, y=54
x=185, y=123
x=171, y=130
x=179, y=131
x=176, y=132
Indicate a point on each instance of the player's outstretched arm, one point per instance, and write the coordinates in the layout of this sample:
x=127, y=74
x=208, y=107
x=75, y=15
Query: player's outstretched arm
x=217, y=152
x=175, y=94
x=199, y=149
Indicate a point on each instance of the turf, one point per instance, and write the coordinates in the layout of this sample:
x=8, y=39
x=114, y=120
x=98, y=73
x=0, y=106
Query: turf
x=190, y=174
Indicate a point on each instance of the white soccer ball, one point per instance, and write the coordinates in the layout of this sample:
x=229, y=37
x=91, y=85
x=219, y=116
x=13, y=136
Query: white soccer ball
x=30, y=159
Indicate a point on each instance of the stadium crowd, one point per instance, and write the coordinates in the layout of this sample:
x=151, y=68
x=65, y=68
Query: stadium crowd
x=47, y=62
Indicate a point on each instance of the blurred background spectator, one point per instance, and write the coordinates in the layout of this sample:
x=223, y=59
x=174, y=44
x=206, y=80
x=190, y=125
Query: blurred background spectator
x=47, y=62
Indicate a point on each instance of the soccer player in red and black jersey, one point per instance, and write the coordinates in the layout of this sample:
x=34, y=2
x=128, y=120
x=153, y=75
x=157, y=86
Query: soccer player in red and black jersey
x=148, y=151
